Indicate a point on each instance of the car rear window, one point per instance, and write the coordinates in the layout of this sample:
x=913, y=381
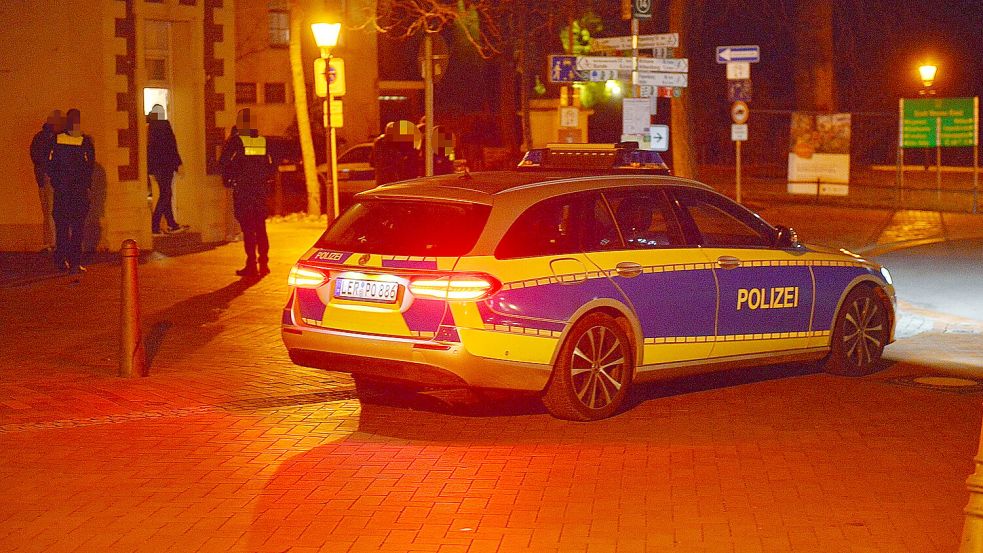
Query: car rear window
x=407, y=227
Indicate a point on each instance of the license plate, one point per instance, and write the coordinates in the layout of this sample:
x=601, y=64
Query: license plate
x=366, y=290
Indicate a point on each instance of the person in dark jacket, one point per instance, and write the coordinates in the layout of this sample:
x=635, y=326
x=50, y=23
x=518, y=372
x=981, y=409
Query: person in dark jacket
x=41, y=146
x=71, y=161
x=163, y=160
x=248, y=168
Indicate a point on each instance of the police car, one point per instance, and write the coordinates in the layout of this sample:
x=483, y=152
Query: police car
x=574, y=284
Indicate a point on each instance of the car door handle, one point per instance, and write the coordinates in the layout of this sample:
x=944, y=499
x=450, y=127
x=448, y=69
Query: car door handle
x=728, y=262
x=628, y=269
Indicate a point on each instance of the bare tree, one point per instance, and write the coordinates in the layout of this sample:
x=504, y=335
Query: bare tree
x=301, y=109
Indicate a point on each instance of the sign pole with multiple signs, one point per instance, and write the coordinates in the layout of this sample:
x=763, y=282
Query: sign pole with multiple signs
x=738, y=60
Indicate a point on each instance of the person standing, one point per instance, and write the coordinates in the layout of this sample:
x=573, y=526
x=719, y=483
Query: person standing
x=41, y=146
x=162, y=161
x=247, y=167
x=70, y=163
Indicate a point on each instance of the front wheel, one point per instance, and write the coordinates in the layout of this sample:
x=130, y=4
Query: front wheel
x=593, y=371
x=859, y=334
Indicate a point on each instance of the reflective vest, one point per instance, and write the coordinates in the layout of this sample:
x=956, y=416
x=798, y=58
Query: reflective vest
x=253, y=145
x=69, y=140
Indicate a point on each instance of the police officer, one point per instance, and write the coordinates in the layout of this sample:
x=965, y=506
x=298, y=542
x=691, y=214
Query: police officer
x=248, y=168
x=70, y=164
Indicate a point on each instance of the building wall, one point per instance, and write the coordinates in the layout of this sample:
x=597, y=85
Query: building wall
x=89, y=54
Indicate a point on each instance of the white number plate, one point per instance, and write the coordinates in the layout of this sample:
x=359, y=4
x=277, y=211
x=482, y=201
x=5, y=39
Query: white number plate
x=366, y=290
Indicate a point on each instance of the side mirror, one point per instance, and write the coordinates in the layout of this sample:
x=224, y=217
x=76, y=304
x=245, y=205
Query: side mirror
x=786, y=238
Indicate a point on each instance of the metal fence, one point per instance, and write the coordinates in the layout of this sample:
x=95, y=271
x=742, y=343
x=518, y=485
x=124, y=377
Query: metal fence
x=876, y=178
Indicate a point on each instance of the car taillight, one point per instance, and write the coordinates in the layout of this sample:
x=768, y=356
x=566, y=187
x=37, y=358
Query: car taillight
x=464, y=287
x=304, y=277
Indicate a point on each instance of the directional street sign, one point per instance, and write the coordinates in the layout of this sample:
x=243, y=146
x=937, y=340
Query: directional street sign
x=668, y=40
x=563, y=69
x=927, y=123
x=746, y=53
x=586, y=63
x=663, y=79
x=659, y=135
x=675, y=65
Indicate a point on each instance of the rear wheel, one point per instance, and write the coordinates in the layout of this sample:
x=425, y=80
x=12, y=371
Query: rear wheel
x=859, y=334
x=593, y=371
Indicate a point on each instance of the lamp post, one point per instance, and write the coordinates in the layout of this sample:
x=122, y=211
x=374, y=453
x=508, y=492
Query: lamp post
x=326, y=37
x=927, y=73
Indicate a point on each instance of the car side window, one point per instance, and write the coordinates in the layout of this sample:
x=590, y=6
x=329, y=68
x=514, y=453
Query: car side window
x=643, y=219
x=599, y=230
x=358, y=154
x=721, y=222
x=550, y=227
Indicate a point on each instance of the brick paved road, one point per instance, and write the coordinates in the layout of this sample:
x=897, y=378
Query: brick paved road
x=228, y=447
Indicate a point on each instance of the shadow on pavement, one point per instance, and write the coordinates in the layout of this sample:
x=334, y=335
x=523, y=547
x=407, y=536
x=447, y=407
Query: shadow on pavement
x=402, y=413
x=189, y=322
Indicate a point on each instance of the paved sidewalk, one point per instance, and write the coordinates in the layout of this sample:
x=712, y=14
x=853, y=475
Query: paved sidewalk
x=227, y=446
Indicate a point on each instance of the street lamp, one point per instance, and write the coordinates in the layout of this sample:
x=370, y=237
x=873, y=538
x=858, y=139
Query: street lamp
x=326, y=37
x=927, y=73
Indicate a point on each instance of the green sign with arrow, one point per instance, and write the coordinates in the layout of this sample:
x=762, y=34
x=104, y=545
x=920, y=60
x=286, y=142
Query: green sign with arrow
x=931, y=122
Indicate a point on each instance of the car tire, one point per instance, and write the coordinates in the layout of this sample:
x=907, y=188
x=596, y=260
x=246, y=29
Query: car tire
x=859, y=334
x=593, y=371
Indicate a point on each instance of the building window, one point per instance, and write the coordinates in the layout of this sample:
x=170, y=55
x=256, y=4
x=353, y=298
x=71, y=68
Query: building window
x=279, y=23
x=245, y=93
x=157, y=51
x=275, y=93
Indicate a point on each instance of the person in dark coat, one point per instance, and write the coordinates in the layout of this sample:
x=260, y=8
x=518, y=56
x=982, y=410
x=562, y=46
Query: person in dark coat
x=41, y=146
x=71, y=161
x=248, y=168
x=163, y=160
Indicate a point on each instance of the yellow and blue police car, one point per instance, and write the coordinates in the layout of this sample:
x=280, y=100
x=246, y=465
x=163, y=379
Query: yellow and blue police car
x=574, y=284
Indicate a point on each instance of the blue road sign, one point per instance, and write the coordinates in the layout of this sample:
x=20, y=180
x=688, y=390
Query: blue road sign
x=731, y=54
x=563, y=69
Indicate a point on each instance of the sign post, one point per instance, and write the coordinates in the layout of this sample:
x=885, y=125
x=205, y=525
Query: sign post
x=738, y=60
x=938, y=123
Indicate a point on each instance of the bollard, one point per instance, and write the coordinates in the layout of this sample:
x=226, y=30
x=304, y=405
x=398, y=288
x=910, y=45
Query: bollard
x=132, y=361
x=972, y=540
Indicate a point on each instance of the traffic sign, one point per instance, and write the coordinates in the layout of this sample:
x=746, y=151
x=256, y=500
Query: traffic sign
x=739, y=112
x=610, y=63
x=587, y=63
x=748, y=53
x=674, y=65
x=659, y=135
x=738, y=71
x=563, y=69
x=641, y=9
x=738, y=133
x=663, y=79
x=569, y=116
x=931, y=122
x=600, y=75
x=739, y=91
x=669, y=40
x=336, y=77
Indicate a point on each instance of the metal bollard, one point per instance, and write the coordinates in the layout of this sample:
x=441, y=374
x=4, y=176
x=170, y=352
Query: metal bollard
x=132, y=360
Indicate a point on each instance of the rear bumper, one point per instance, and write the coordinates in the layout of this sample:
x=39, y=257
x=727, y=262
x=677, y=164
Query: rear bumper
x=408, y=360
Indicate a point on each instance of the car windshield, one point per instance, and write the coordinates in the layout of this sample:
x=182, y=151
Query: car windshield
x=407, y=227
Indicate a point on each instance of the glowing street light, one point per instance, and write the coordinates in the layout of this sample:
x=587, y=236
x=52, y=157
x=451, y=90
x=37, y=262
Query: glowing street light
x=927, y=73
x=326, y=38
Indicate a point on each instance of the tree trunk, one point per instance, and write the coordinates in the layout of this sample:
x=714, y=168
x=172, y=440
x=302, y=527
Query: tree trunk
x=680, y=121
x=814, y=79
x=524, y=84
x=303, y=117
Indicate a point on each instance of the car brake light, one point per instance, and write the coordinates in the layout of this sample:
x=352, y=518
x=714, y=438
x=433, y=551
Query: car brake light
x=303, y=277
x=466, y=287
